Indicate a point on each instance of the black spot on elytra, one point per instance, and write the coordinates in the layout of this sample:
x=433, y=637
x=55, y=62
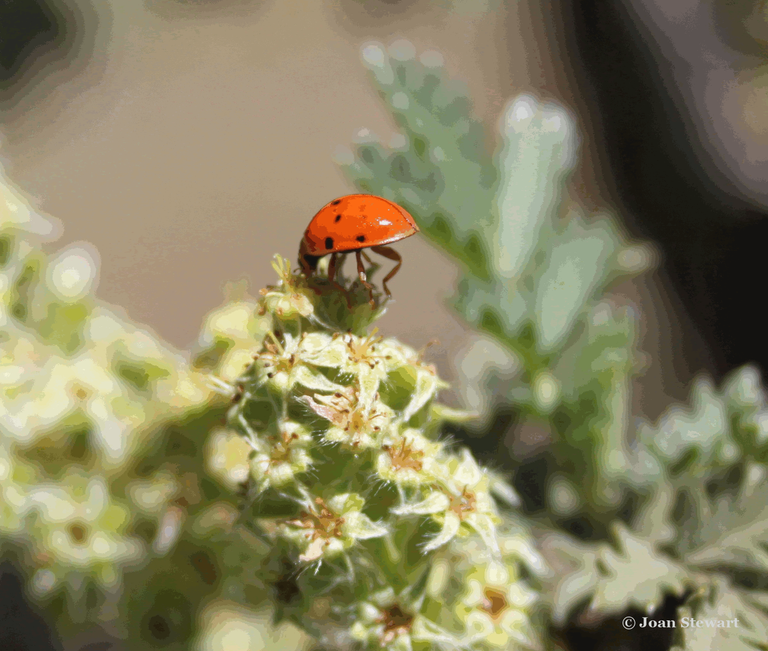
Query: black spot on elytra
x=336, y=203
x=360, y=238
x=338, y=217
x=328, y=242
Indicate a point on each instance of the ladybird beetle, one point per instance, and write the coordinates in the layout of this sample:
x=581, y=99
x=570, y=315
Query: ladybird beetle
x=352, y=223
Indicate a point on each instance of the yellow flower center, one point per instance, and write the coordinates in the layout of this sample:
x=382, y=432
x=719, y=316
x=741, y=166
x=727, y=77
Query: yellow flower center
x=494, y=602
x=464, y=504
x=405, y=456
x=396, y=623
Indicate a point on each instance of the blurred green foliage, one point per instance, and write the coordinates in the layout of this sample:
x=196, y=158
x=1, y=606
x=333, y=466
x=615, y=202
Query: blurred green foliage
x=539, y=288
x=647, y=503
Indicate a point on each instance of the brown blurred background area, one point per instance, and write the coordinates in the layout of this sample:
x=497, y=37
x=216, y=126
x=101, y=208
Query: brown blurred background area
x=189, y=141
x=196, y=139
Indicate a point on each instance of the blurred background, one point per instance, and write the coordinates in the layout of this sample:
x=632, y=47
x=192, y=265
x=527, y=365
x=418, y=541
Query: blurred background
x=189, y=140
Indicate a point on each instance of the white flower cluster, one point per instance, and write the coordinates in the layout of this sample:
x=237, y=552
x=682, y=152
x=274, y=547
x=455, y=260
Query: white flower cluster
x=346, y=474
x=82, y=392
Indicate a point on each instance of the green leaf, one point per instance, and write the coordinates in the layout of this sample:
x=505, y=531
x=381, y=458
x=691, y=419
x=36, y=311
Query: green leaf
x=438, y=169
x=576, y=263
x=695, y=438
x=748, y=411
x=735, y=534
x=636, y=574
x=633, y=573
x=538, y=150
x=524, y=263
x=721, y=617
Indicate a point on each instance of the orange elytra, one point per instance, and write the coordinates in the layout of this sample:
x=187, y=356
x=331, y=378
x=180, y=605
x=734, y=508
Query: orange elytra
x=352, y=223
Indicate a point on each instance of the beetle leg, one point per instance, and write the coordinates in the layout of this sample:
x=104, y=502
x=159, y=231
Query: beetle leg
x=308, y=262
x=332, y=278
x=391, y=254
x=363, y=277
x=361, y=268
x=365, y=255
